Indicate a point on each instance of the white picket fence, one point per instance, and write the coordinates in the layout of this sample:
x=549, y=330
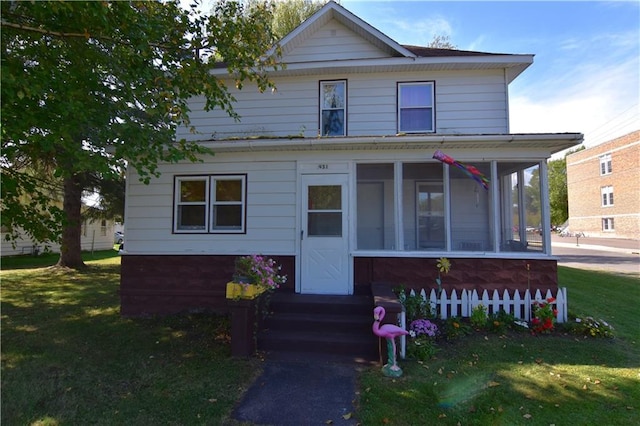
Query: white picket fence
x=454, y=305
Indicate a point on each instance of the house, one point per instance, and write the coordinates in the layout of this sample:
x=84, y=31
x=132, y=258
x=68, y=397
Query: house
x=94, y=235
x=333, y=175
x=603, y=185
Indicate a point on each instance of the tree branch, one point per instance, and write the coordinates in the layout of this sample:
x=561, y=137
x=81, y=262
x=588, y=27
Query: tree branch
x=45, y=31
x=59, y=34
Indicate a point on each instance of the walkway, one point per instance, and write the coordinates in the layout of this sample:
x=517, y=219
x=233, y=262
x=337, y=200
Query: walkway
x=301, y=393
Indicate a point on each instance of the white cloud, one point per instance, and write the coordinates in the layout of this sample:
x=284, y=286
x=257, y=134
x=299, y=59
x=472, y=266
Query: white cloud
x=414, y=31
x=599, y=99
x=477, y=44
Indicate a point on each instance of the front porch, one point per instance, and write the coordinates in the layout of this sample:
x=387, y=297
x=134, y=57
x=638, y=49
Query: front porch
x=314, y=325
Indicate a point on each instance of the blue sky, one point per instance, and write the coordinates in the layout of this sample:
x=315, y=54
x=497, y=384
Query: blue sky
x=585, y=74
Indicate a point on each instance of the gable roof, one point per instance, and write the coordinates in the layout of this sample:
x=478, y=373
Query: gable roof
x=425, y=52
x=332, y=10
x=400, y=57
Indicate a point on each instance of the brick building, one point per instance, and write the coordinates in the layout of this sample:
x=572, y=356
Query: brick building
x=603, y=185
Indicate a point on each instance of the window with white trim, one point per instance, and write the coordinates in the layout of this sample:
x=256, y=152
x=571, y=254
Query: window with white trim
x=333, y=108
x=605, y=164
x=415, y=107
x=607, y=224
x=210, y=204
x=607, y=196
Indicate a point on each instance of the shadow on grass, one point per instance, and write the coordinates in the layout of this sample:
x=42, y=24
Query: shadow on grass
x=523, y=379
x=68, y=357
x=508, y=380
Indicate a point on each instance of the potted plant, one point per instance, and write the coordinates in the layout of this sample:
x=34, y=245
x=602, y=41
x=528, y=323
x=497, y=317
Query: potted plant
x=253, y=275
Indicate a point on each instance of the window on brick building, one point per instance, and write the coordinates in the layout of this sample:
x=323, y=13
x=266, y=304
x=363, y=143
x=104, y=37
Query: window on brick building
x=607, y=195
x=607, y=224
x=605, y=164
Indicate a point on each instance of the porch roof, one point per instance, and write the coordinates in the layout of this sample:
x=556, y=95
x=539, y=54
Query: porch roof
x=552, y=142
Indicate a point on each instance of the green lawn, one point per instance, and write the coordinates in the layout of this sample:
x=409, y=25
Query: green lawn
x=520, y=379
x=69, y=358
x=49, y=259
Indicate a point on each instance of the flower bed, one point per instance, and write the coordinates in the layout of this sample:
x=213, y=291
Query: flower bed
x=427, y=330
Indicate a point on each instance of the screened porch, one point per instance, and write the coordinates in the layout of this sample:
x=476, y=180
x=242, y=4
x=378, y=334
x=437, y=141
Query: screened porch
x=433, y=207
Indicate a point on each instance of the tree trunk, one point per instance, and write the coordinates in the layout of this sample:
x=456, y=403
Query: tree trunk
x=70, y=248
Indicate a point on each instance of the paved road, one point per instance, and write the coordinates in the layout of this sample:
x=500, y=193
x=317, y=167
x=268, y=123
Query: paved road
x=604, y=254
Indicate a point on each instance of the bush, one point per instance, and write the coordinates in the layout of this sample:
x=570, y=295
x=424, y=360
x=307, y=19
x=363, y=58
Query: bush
x=421, y=348
x=500, y=322
x=454, y=328
x=414, y=305
x=479, y=317
x=589, y=326
x=544, y=316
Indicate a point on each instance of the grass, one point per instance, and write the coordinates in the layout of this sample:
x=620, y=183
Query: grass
x=50, y=259
x=514, y=379
x=69, y=358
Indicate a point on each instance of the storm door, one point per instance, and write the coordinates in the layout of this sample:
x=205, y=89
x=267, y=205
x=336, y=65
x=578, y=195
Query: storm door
x=324, y=242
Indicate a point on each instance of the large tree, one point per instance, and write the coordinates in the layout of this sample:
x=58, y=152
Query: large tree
x=558, y=196
x=88, y=86
x=288, y=14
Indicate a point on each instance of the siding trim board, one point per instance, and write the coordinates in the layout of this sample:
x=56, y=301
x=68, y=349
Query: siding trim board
x=552, y=142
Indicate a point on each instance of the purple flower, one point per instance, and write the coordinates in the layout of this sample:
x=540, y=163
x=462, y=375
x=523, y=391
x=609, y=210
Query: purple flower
x=423, y=327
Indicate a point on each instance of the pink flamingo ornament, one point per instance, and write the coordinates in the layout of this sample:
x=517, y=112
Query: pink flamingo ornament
x=389, y=332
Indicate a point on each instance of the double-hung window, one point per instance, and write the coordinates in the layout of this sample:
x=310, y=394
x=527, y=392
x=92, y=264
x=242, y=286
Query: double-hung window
x=607, y=224
x=210, y=204
x=333, y=108
x=415, y=107
x=607, y=195
x=605, y=164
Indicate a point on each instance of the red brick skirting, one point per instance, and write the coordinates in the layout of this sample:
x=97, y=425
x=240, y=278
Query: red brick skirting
x=169, y=284
x=468, y=273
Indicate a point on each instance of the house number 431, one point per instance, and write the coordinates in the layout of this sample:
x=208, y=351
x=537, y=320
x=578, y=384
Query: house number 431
x=323, y=166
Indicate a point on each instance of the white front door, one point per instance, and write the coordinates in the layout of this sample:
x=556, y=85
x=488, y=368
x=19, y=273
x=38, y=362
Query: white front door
x=324, y=242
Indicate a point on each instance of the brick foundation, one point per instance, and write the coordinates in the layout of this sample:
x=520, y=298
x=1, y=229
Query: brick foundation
x=169, y=284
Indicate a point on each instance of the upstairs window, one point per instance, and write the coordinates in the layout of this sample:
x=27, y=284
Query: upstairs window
x=210, y=204
x=333, y=108
x=607, y=195
x=605, y=164
x=415, y=107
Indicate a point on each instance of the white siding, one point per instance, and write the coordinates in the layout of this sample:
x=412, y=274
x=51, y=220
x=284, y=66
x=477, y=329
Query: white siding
x=272, y=213
x=332, y=42
x=467, y=102
x=94, y=238
x=271, y=209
